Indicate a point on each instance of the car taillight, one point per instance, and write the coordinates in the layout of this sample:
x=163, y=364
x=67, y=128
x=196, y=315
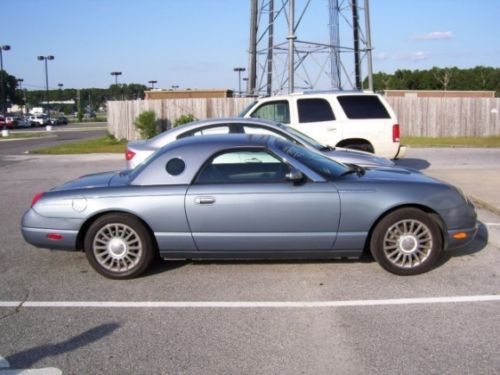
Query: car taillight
x=395, y=133
x=36, y=198
x=129, y=155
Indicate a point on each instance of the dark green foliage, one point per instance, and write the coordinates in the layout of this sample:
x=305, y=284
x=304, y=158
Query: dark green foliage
x=184, y=119
x=146, y=124
x=478, y=78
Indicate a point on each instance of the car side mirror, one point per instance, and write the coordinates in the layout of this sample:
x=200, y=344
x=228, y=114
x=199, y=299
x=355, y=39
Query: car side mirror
x=295, y=176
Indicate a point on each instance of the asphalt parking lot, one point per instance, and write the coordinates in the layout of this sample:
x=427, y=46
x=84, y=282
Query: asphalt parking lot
x=324, y=317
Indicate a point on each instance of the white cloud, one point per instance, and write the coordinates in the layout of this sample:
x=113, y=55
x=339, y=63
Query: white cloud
x=381, y=56
x=435, y=35
x=415, y=56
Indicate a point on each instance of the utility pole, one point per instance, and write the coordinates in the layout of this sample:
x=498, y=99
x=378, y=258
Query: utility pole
x=270, y=44
x=252, y=50
x=357, y=59
x=291, y=45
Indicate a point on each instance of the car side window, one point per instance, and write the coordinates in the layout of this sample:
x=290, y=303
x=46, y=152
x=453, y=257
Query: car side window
x=243, y=166
x=225, y=129
x=278, y=111
x=314, y=110
x=263, y=131
x=363, y=107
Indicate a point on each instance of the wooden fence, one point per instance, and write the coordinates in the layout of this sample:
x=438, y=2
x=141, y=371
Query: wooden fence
x=429, y=117
x=447, y=117
x=122, y=114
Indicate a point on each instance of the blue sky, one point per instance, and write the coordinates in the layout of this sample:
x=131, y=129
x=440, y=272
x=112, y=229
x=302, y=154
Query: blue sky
x=196, y=43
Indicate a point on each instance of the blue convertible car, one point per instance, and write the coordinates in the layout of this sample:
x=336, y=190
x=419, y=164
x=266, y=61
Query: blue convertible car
x=250, y=197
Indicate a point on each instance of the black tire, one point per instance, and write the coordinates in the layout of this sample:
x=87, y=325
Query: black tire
x=119, y=246
x=406, y=242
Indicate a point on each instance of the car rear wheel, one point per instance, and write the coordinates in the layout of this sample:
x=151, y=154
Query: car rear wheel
x=406, y=242
x=119, y=246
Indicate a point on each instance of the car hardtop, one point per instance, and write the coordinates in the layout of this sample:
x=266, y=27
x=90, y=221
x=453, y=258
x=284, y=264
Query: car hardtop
x=222, y=141
x=216, y=122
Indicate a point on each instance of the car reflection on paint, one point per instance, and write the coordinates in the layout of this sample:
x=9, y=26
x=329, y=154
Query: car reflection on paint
x=250, y=197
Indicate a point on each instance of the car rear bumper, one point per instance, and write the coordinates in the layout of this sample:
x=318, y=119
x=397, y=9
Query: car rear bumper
x=41, y=237
x=50, y=233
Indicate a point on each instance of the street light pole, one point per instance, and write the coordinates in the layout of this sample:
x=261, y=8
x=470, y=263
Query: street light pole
x=152, y=84
x=3, y=85
x=60, y=85
x=20, y=82
x=116, y=74
x=45, y=59
x=239, y=70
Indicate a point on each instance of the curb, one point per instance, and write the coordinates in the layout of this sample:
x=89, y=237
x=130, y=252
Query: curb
x=485, y=205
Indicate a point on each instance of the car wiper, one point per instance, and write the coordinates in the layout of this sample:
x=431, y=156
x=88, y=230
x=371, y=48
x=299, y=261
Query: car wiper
x=354, y=168
x=327, y=148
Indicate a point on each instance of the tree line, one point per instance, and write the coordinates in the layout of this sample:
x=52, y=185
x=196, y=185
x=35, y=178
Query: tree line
x=89, y=99
x=478, y=78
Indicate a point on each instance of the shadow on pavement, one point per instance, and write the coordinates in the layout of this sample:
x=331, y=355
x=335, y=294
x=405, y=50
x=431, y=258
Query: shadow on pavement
x=418, y=164
x=29, y=357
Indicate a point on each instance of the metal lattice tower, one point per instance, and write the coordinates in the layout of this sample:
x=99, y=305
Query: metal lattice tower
x=283, y=58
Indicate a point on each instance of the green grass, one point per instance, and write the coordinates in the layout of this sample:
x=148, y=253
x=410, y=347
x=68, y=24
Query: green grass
x=451, y=141
x=100, y=145
x=25, y=135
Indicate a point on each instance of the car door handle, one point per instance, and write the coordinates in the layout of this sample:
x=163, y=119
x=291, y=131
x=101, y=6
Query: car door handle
x=204, y=200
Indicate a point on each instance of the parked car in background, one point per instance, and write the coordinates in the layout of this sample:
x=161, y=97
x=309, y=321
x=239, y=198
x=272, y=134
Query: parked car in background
x=138, y=151
x=7, y=122
x=39, y=120
x=59, y=120
x=352, y=119
x=23, y=122
x=250, y=197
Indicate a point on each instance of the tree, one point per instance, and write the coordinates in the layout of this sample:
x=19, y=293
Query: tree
x=8, y=92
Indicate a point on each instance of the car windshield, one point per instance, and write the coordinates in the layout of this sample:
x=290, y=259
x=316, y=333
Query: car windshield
x=304, y=138
x=315, y=161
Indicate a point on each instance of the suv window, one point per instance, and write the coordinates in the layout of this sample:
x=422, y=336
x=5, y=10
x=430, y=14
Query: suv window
x=363, y=107
x=243, y=166
x=278, y=111
x=314, y=110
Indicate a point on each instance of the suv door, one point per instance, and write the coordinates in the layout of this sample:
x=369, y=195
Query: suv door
x=315, y=117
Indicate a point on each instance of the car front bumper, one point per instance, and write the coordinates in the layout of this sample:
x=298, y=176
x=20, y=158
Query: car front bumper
x=458, y=238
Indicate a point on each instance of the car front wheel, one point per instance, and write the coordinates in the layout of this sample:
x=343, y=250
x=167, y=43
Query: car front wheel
x=406, y=242
x=119, y=246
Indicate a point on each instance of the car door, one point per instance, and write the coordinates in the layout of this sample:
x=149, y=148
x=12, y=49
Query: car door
x=242, y=201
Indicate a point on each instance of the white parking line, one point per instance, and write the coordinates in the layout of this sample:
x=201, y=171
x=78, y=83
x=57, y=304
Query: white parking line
x=492, y=224
x=250, y=304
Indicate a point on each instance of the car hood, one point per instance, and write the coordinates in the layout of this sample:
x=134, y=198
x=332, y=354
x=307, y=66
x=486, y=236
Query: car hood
x=96, y=180
x=365, y=159
x=396, y=174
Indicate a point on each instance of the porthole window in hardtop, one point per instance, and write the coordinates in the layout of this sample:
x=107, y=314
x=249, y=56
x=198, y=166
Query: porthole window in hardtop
x=175, y=166
x=243, y=166
x=278, y=111
x=363, y=107
x=314, y=110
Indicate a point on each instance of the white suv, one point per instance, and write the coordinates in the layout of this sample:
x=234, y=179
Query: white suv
x=351, y=119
